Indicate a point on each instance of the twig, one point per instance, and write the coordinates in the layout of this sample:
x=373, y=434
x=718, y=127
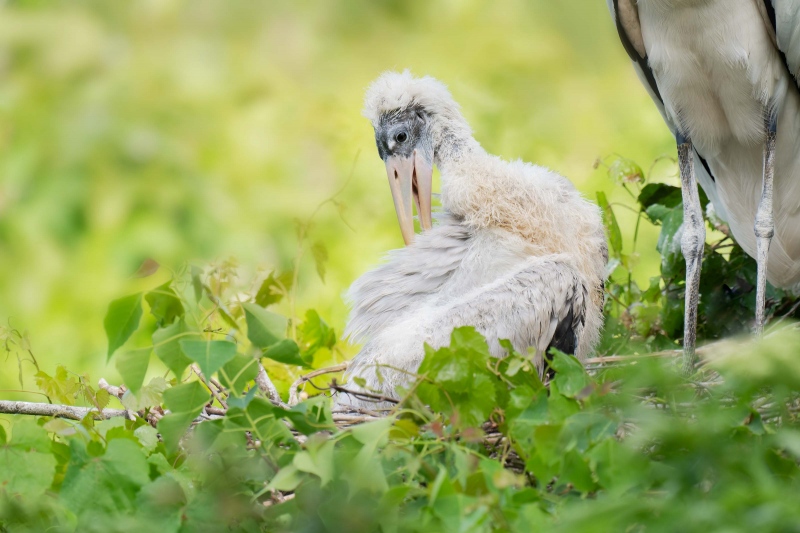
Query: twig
x=294, y=398
x=117, y=392
x=61, y=411
x=627, y=358
x=363, y=395
x=216, y=394
x=266, y=386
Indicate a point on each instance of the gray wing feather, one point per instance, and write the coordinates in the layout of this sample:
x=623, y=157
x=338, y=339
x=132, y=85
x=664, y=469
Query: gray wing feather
x=385, y=293
x=545, y=301
x=784, y=17
x=526, y=308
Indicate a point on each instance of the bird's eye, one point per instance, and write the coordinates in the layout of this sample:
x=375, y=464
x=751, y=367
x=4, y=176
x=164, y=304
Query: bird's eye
x=401, y=137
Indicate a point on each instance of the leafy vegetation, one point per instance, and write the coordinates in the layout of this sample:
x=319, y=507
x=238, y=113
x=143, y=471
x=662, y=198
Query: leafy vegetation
x=477, y=444
x=649, y=318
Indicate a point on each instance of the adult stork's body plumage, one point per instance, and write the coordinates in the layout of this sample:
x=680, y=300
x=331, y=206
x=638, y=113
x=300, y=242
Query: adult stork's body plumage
x=517, y=252
x=723, y=73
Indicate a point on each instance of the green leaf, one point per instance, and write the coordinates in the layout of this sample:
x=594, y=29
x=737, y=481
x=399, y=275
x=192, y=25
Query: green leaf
x=286, y=352
x=172, y=429
x=623, y=170
x=209, y=355
x=122, y=319
x=672, y=263
x=243, y=401
x=148, y=437
x=312, y=415
x=571, y=377
x=263, y=327
x=660, y=193
x=108, y=483
x=187, y=398
x=185, y=401
x=287, y=479
x=377, y=431
x=25, y=473
x=320, y=253
x=263, y=420
x=63, y=387
x=576, y=470
x=166, y=344
x=459, y=383
x=132, y=366
x=164, y=304
x=317, y=459
x=273, y=289
x=612, y=227
x=315, y=334
x=148, y=396
x=238, y=372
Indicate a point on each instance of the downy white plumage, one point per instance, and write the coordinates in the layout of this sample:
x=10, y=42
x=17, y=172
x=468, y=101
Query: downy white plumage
x=517, y=253
x=724, y=73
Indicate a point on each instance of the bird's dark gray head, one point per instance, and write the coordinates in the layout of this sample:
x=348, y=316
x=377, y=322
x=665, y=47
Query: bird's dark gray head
x=412, y=117
x=402, y=131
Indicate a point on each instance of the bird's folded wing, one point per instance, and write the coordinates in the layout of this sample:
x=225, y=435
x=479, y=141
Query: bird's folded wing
x=409, y=275
x=786, y=24
x=541, y=306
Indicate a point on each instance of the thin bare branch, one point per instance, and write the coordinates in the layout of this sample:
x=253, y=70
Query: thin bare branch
x=363, y=395
x=294, y=397
x=266, y=386
x=215, y=393
x=70, y=412
x=111, y=389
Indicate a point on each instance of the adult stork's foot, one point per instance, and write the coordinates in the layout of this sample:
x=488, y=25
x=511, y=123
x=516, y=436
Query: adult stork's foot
x=765, y=224
x=692, y=241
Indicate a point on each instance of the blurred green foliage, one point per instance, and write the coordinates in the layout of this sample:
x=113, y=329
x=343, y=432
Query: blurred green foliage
x=177, y=130
x=479, y=444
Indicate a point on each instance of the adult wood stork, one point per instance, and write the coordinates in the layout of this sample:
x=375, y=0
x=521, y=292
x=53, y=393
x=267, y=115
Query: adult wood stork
x=517, y=252
x=723, y=73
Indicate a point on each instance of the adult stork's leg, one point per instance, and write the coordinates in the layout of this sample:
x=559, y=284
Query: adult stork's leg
x=765, y=224
x=692, y=241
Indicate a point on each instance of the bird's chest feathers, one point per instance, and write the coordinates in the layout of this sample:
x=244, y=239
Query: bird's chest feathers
x=715, y=65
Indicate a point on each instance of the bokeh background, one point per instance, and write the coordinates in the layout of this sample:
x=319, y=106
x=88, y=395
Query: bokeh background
x=201, y=130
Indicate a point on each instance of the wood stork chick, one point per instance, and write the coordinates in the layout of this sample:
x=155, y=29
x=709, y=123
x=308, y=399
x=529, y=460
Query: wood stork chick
x=517, y=253
x=724, y=74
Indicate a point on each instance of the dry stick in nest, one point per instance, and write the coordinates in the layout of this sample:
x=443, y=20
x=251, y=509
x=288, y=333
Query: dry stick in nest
x=294, y=397
x=362, y=395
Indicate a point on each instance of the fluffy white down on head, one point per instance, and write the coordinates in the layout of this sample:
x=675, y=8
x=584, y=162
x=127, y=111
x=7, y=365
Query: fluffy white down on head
x=394, y=91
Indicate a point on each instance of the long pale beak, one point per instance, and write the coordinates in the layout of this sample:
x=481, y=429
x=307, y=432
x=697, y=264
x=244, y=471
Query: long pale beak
x=410, y=179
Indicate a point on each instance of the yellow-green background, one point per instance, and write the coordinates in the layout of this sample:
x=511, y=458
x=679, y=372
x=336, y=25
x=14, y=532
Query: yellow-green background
x=200, y=130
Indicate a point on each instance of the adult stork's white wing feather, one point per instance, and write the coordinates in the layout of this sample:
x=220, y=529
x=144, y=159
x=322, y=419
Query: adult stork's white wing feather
x=626, y=17
x=786, y=24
